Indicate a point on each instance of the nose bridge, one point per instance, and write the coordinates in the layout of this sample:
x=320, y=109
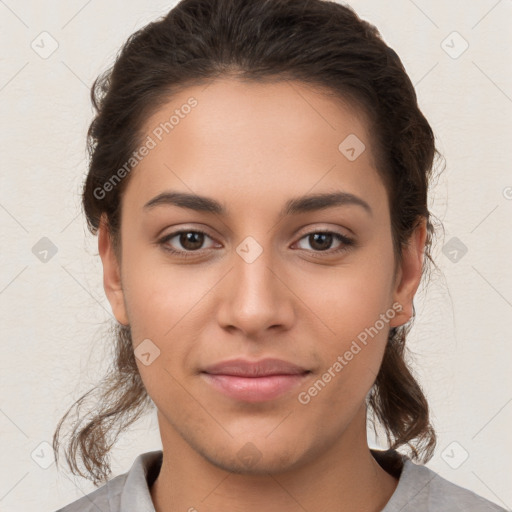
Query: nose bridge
x=256, y=299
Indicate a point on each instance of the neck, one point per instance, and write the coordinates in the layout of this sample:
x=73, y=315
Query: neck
x=344, y=477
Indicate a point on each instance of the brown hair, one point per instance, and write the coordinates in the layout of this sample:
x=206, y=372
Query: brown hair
x=320, y=43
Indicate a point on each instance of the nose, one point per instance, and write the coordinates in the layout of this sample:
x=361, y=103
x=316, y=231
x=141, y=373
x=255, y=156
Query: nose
x=256, y=296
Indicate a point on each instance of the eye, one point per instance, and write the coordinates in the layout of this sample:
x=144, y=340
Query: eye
x=189, y=240
x=192, y=241
x=321, y=241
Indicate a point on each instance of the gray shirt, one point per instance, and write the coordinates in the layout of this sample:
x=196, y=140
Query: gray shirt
x=419, y=489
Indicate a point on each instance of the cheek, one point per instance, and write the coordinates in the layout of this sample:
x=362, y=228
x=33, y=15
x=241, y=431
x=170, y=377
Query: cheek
x=166, y=306
x=351, y=297
x=354, y=306
x=160, y=296
x=350, y=360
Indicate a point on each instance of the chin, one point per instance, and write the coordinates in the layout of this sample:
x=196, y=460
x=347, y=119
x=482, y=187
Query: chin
x=249, y=460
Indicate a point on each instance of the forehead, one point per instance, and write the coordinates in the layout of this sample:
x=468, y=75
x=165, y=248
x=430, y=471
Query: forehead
x=262, y=138
x=276, y=111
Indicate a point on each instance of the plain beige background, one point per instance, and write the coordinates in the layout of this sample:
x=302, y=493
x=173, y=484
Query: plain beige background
x=54, y=314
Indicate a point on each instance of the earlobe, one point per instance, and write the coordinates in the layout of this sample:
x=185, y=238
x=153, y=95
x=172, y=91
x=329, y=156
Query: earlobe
x=409, y=274
x=111, y=273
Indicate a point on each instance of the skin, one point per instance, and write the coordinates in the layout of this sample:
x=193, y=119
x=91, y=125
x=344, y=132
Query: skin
x=252, y=147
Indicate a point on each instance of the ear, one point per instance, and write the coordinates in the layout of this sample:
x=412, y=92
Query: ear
x=409, y=274
x=111, y=273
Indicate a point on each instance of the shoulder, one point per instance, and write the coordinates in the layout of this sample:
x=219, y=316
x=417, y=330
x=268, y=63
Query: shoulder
x=106, y=498
x=421, y=489
x=128, y=492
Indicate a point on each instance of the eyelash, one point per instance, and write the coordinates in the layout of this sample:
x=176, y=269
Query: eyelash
x=346, y=242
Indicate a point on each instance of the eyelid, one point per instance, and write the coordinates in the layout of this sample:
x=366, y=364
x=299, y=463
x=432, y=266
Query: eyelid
x=301, y=233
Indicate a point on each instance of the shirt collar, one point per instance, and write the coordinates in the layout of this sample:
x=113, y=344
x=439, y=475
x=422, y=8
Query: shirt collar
x=136, y=496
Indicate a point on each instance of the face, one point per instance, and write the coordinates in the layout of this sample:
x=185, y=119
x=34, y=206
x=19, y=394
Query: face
x=255, y=271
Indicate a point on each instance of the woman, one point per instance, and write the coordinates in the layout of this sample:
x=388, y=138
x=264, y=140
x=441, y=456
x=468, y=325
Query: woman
x=258, y=182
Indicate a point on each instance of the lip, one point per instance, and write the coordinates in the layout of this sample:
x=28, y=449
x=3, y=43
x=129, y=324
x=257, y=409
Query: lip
x=261, y=368
x=254, y=381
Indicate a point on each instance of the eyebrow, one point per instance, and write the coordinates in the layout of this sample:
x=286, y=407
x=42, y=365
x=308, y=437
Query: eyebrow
x=293, y=206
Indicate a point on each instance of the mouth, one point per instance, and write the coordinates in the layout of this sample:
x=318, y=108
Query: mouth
x=254, y=381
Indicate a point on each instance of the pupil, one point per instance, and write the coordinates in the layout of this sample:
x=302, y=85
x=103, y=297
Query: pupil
x=323, y=236
x=191, y=240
